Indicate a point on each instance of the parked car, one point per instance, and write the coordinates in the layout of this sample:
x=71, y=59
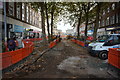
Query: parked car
x=101, y=46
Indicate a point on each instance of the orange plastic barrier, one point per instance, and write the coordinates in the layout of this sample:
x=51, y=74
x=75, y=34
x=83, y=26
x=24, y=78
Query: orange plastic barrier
x=24, y=52
x=53, y=43
x=5, y=60
x=78, y=42
x=16, y=55
x=74, y=40
x=33, y=39
x=9, y=58
x=82, y=43
x=114, y=57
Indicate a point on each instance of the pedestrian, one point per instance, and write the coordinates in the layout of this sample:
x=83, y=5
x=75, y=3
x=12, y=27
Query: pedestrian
x=11, y=44
x=3, y=46
x=20, y=43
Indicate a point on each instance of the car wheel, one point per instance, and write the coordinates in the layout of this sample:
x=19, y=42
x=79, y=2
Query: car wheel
x=103, y=55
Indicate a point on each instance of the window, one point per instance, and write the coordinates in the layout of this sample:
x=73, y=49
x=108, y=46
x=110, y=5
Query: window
x=117, y=4
x=27, y=15
x=108, y=9
x=103, y=12
x=18, y=11
x=113, y=6
x=107, y=21
x=30, y=16
x=33, y=17
x=117, y=18
x=11, y=8
x=103, y=23
x=116, y=39
x=23, y=11
x=99, y=23
x=112, y=20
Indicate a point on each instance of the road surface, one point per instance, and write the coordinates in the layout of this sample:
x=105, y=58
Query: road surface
x=65, y=60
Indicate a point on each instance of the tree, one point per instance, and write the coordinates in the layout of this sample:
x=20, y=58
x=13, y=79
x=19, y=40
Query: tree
x=43, y=21
x=86, y=8
x=97, y=20
x=52, y=17
x=75, y=10
x=53, y=11
x=47, y=17
x=41, y=6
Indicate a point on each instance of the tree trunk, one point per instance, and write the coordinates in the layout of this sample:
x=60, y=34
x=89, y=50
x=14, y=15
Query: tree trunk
x=43, y=23
x=86, y=23
x=47, y=22
x=86, y=16
x=97, y=21
x=78, y=27
x=52, y=15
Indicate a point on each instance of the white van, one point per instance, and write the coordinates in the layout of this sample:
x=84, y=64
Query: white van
x=101, y=46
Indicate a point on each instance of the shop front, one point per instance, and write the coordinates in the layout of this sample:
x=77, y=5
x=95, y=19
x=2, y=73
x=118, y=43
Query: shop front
x=17, y=31
x=113, y=30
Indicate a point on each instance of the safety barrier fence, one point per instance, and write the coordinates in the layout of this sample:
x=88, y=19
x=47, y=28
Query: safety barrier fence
x=114, y=57
x=53, y=43
x=9, y=58
x=34, y=39
x=81, y=43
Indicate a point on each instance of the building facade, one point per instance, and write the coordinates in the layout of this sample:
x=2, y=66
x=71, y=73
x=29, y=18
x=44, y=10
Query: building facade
x=20, y=17
x=109, y=20
x=110, y=17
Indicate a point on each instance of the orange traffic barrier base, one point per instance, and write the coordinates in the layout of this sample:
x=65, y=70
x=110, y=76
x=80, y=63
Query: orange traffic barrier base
x=9, y=58
x=114, y=57
x=53, y=43
x=81, y=43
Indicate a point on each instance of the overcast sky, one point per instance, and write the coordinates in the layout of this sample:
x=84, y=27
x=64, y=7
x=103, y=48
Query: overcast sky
x=62, y=26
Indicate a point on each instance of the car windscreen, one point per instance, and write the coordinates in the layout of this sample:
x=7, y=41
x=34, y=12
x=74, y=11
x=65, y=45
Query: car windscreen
x=103, y=38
